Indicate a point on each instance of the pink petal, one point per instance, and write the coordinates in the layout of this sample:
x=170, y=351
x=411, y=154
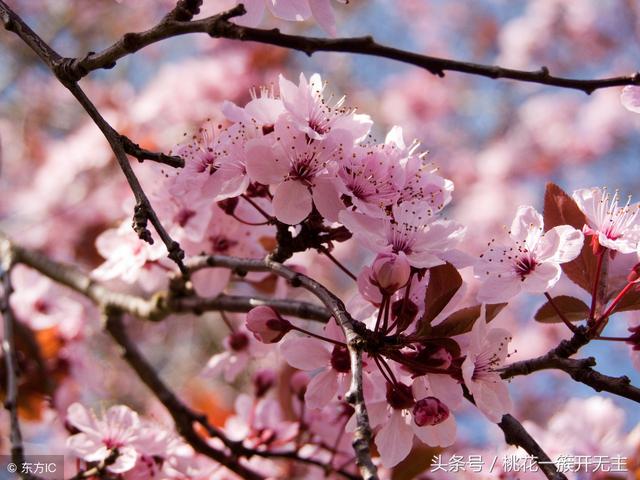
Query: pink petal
x=255, y=12
x=394, y=440
x=262, y=164
x=211, y=281
x=305, y=353
x=326, y=198
x=291, y=202
x=560, y=244
x=322, y=389
x=630, y=98
x=440, y=435
x=323, y=13
x=292, y=10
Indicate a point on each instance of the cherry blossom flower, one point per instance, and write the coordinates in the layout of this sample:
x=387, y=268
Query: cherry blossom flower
x=611, y=226
x=329, y=361
x=127, y=257
x=239, y=349
x=630, y=98
x=118, y=429
x=531, y=262
x=299, y=170
x=402, y=418
x=485, y=354
x=267, y=325
x=413, y=230
x=310, y=113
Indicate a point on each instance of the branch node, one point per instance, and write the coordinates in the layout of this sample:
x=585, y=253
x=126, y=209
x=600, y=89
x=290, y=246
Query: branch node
x=140, y=219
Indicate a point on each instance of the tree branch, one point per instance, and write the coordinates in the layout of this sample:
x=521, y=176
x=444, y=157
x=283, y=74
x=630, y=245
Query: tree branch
x=9, y=352
x=355, y=343
x=220, y=26
x=183, y=417
x=161, y=304
x=515, y=434
x=579, y=369
x=61, y=68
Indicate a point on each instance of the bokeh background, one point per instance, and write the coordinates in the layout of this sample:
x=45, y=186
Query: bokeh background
x=499, y=141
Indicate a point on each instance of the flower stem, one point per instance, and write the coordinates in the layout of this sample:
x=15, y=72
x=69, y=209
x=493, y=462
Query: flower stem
x=326, y=252
x=560, y=314
x=319, y=337
x=596, y=281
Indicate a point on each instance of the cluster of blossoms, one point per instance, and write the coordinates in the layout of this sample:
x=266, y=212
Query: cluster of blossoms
x=131, y=448
x=294, y=163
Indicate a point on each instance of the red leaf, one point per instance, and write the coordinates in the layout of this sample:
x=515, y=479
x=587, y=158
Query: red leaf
x=463, y=320
x=561, y=209
x=444, y=282
x=572, y=308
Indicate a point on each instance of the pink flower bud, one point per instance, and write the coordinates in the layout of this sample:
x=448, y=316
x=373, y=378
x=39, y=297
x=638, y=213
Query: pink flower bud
x=263, y=381
x=430, y=411
x=298, y=383
x=390, y=272
x=267, y=325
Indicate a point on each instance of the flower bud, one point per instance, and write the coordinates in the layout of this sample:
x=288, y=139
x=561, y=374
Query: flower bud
x=298, y=384
x=238, y=341
x=430, y=411
x=263, y=381
x=340, y=360
x=390, y=272
x=267, y=325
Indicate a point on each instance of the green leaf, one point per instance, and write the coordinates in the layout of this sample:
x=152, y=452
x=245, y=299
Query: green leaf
x=572, y=308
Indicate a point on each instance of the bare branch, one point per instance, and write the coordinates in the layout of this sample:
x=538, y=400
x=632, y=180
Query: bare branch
x=161, y=304
x=61, y=67
x=183, y=417
x=9, y=352
x=580, y=370
x=142, y=154
x=516, y=434
x=220, y=26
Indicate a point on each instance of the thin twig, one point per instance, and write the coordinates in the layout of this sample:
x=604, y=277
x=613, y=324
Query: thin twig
x=60, y=67
x=220, y=26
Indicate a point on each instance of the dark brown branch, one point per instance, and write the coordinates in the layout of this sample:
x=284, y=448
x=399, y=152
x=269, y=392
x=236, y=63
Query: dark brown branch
x=220, y=26
x=516, y=434
x=142, y=154
x=9, y=353
x=61, y=68
x=355, y=343
x=580, y=370
x=160, y=305
x=183, y=417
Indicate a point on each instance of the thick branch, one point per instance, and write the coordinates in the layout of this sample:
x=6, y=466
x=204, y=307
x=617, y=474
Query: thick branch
x=9, y=352
x=183, y=417
x=515, y=434
x=220, y=26
x=160, y=305
x=65, y=74
x=580, y=370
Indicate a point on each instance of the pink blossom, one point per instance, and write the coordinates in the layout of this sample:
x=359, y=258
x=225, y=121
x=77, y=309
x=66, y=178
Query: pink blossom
x=298, y=169
x=267, y=325
x=99, y=437
x=310, y=113
x=292, y=10
x=330, y=363
x=402, y=418
x=630, y=98
x=485, y=354
x=413, y=230
x=611, y=226
x=239, y=349
x=530, y=262
x=390, y=272
x=127, y=257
